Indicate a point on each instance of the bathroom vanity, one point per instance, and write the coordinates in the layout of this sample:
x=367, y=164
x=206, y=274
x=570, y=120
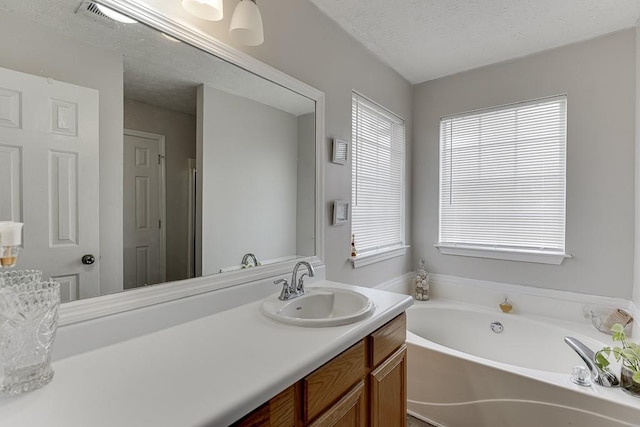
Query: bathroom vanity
x=214, y=370
x=364, y=385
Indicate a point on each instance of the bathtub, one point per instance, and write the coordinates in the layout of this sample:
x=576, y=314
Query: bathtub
x=461, y=373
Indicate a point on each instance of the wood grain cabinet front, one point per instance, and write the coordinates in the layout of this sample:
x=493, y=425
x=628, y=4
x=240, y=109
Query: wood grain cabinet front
x=363, y=386
x=350, y=411
x=279, y=411
x=328, y=383
x=388, y=394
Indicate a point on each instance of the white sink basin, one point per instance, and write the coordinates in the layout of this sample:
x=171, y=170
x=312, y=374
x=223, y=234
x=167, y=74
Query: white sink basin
x=320, y=307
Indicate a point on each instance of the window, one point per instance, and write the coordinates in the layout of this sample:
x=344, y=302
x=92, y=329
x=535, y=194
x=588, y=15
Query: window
x=378, y=182
x=502, y=182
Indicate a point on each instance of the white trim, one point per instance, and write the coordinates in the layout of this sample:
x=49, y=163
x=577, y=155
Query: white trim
x=380, y=255
x=92, y=308
x=540, y=257
x=82, y=310
x=320, y=165
x=399, y=285
x=191, y=223
x=534, y=101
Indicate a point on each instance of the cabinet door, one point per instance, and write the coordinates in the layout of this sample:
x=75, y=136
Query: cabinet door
x=326, y=384
x=347, y=412
x=389, y=391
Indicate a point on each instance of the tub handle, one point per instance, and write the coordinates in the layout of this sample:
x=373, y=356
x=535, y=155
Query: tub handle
x=603, y=377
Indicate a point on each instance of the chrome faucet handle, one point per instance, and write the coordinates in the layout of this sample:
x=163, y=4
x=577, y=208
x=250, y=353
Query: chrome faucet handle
x=300, y=287
x=286, y=289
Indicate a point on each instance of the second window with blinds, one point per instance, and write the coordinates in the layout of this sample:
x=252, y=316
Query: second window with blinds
x=502, y=182
x=378, y=182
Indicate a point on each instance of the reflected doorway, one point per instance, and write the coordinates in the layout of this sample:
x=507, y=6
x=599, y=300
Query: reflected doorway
x=144, y=209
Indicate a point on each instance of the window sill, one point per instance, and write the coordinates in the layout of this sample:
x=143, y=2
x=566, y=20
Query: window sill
x=372, y=257
x=539, y=257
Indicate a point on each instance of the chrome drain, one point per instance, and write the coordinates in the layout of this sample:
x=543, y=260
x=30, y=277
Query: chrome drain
x=497, y=327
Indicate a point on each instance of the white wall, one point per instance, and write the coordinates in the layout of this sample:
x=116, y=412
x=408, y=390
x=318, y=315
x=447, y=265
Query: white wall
x=245, y=145
x=304, y=43
x=305, y=209
x=179, y=130
x=22, y=49
x=599, y=78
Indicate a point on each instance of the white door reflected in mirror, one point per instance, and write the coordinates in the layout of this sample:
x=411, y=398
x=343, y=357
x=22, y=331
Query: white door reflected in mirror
x=48, y=162
x=144, y=213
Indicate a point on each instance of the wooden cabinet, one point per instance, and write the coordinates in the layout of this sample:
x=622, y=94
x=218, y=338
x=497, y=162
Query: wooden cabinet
x=364, y=385
x=389, y=391
x=328, y=383
x=349, y=411
x=279, y=411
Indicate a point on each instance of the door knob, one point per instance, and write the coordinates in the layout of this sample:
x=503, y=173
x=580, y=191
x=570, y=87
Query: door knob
x=88, y=259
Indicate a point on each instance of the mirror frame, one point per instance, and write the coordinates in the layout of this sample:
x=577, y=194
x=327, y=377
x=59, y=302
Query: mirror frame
x=105, y=305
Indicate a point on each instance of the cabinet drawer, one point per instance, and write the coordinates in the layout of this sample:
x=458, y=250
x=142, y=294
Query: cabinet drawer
x=327, y=384
x=387, y=339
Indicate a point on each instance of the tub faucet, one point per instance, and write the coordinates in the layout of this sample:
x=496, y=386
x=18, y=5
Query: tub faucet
x=245, y=259
x=603, y=377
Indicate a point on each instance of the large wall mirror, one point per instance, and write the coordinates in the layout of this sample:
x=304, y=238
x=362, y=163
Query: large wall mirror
x=133, y=143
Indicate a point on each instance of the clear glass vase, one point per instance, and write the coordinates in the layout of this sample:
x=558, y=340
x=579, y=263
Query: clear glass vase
x=627, y=383
x=421, y=281
x=28, y=323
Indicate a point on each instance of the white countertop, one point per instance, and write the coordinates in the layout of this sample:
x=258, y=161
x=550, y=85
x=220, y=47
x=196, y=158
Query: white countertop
x=210, y=371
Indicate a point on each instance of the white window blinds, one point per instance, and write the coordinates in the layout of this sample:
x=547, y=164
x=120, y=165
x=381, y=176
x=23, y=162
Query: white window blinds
x=378, y=156
x=502, y=177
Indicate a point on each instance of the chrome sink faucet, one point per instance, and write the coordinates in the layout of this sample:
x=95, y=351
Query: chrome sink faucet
x=245, y=259
x=296, y=287
x=299, y=284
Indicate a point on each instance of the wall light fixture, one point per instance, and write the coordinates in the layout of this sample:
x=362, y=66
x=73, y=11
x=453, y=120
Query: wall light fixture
x=246, y=23
x=211, y=10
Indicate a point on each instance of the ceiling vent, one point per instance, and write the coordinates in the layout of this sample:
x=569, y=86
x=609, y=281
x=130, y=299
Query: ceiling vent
x=90, y=10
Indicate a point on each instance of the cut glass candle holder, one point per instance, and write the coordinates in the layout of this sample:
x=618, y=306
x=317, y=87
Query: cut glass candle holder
x=28, y=323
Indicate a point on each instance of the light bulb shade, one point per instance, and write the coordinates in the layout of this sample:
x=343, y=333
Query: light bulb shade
x=10, y=233
x=211, y=10
x=246, y=24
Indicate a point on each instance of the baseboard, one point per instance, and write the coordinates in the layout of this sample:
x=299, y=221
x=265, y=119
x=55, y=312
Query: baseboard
x=400, y=284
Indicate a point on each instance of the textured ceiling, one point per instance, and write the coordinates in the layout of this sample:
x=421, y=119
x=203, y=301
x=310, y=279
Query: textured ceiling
x=156, y=70
x=427, y=39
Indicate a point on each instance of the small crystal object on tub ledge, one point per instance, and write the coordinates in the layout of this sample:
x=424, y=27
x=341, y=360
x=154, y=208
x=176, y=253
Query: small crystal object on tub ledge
x=603, y=318
x=28, y=324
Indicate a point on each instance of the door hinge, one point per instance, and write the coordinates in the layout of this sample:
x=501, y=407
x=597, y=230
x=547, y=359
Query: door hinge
x=160, y=224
